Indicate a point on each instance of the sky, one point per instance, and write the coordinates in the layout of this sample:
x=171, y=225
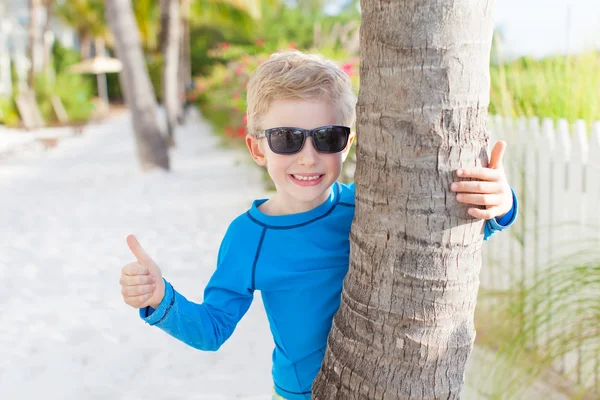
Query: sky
x=543, y=27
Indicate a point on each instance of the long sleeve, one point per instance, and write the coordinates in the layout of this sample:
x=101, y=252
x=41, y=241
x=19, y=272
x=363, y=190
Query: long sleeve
x=497, y=224
x=227, y=297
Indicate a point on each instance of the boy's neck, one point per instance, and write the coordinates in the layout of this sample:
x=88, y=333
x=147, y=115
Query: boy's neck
x=280, y=205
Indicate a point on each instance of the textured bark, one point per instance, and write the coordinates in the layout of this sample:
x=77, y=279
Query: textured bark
x=49, y=6
x=405, y=327
x=170, y=36
x=85, y=45
x=185, y=64
x=138, y=91
x=32, y=39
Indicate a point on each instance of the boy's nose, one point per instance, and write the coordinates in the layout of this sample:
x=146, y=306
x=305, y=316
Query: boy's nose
x=309, y=154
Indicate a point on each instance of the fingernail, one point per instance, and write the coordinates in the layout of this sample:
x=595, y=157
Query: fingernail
x=454, y=186
x=459, y=197
x=459, y=172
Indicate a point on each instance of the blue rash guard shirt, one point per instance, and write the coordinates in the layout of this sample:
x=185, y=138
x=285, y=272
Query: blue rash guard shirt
x=301, y=289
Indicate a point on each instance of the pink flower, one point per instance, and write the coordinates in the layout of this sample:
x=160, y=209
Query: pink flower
x=241, y=131
x=348, y=68
x=292, y=46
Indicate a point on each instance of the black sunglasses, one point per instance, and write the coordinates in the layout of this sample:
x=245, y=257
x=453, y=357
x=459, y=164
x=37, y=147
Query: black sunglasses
x=287, y=140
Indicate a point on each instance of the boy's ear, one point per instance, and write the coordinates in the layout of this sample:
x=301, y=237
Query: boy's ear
x=255, y=150
x=348, y=146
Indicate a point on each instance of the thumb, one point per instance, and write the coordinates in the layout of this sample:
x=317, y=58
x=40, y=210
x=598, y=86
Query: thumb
x=497, y=155
x=139, y=253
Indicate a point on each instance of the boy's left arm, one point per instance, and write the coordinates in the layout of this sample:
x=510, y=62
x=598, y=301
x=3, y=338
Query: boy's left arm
x=491, y=191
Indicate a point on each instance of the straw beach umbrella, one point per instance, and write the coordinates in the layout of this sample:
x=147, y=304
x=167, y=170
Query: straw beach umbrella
x=99, y=66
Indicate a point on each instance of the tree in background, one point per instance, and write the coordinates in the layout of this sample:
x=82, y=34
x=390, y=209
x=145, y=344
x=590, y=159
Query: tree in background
x=138, y=90
x=405, y=326
x=170, y=45
x=34, y=6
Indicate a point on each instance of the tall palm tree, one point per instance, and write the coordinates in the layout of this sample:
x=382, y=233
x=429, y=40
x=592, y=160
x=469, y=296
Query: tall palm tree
x=34, y=6
x=48, y=6
x=405, y=327
x=185, y=56
x=170, y=47
x=138, y=90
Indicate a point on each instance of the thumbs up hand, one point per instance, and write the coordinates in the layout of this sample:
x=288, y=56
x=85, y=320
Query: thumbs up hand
x=141, y=281
x=492, y=190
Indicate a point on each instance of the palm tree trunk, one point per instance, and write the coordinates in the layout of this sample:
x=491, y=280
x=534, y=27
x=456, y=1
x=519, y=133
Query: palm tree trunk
x=32, y=33
x=48, y=4
x=138, y=91
x=185, y=63
x=85, y=44
x=405, y=327
x=170, y=36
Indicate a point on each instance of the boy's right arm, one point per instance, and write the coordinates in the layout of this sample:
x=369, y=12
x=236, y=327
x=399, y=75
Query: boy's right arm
x=203, y=326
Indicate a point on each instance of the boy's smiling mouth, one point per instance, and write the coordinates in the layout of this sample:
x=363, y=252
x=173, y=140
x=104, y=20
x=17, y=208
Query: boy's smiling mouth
x=307, y=179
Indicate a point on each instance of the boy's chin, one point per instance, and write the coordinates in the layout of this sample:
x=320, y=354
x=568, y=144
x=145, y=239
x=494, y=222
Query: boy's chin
x=310, y=194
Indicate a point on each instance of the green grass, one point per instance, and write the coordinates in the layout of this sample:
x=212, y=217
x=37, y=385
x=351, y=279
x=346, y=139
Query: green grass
x=554, y=87
x=533, y=326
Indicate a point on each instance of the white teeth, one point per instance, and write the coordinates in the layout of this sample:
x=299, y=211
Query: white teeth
x=307, y=178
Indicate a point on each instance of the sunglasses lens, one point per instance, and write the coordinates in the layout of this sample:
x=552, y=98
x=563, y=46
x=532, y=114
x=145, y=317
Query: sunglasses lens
x=286, y=141
x=331, y=139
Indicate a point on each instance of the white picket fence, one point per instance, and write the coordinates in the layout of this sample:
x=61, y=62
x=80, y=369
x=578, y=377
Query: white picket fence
x=555, y=171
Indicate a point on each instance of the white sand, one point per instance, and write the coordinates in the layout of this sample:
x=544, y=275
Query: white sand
x=65, y=332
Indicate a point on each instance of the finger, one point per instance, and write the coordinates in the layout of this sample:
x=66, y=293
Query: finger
x=497, y=155
x=476, y=187
x=479, y=199
x=132, y=291
x=135, y=269
x=483, y=214
x=134, y=280
x=137, y=301
x=137, y=250
x=485, y=174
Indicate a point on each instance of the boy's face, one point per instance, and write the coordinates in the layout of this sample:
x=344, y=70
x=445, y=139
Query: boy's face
x=303, y=180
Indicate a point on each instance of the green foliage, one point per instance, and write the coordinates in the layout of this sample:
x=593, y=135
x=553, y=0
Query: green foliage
x=305, y=25
x=230, y=17
x=154, y=65
x=63, y=57
x=85, y=16
x=202, y=39
x=535, y=325
x=74, y=91
x=554, y=87
x=222, y=94
x=147, y=16
x=9, y=115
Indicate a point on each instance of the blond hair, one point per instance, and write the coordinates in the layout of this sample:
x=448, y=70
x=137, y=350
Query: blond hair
x=295, y=75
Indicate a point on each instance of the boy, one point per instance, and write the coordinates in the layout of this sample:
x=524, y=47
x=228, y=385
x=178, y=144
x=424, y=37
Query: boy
x=293, y=247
